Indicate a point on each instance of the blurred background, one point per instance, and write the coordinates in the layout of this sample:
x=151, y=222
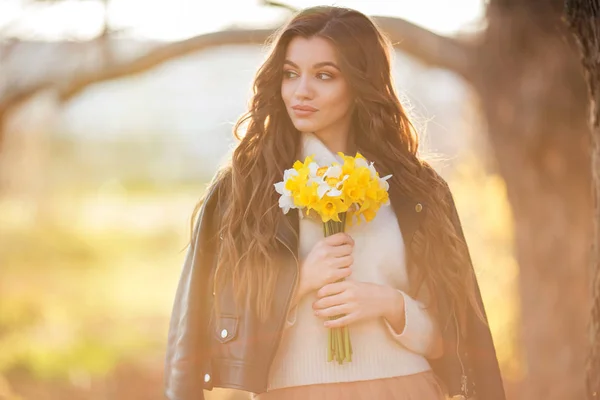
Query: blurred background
x=115, y=114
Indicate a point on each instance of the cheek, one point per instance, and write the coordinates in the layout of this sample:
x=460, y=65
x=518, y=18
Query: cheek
x=287, y=91
x=338, y=98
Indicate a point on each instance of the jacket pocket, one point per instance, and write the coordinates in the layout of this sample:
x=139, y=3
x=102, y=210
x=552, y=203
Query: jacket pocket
x=225, y=328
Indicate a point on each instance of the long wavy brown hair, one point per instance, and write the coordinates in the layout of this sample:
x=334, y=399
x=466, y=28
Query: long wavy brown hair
x=380, y=129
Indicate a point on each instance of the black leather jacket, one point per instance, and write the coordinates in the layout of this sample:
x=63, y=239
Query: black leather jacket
x=235, y=350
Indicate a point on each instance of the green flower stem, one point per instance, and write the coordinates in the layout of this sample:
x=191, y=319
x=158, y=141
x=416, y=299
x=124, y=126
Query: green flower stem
x=339, y=347
x=342, y=356
x=347, y=344
x=329, y=345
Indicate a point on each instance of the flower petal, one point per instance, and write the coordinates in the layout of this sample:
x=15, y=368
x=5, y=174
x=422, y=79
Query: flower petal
x=323, y=189
x=286, y=202
x=280, y=188
x=361, y=162
x=340, y=183
x=288, y=173
x=373, y=170
x=312, y=168
x=334, y=171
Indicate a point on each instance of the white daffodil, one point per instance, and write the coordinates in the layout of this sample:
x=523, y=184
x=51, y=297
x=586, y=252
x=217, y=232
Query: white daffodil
x=361, y=162
x=383, y=182
x=312, y=173
x=331, y=182
x=280, y=186
x=286, y=201
x=373, y=170
x=325, y=189
x=333, y=172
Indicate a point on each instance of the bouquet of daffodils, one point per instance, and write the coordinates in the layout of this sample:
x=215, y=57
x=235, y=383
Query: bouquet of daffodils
x=352, y=187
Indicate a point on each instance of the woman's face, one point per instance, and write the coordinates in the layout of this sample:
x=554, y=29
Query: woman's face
x=316, y=95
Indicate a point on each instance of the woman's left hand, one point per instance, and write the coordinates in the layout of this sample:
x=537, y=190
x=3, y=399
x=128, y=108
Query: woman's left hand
x=358, y=301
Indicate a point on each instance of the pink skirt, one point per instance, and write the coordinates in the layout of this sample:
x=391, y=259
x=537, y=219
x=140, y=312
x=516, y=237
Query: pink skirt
x=421, y=386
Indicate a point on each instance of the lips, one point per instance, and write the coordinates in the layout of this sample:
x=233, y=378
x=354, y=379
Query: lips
x=304, y=111
x=304, y=108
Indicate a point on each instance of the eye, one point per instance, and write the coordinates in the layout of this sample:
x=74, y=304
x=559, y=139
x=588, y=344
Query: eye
x=288, y=74
x=324, y=76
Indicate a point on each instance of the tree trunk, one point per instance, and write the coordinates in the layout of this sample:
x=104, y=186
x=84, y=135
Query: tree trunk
x=532, y=93
x=583, y=17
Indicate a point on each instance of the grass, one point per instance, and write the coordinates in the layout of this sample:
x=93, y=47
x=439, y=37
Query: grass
x=91, y=284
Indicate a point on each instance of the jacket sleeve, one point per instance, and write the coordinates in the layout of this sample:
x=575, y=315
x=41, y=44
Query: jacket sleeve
x=187, y=344
x=481, y=353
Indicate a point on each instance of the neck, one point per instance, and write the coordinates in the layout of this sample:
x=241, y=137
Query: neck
x=336, y=139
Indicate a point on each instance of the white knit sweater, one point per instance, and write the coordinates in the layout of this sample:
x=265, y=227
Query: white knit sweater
x=378, y=351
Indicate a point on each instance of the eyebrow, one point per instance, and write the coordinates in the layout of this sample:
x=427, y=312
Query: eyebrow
x=317, y=65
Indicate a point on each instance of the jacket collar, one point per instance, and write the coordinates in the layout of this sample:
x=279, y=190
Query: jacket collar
x=409, y=211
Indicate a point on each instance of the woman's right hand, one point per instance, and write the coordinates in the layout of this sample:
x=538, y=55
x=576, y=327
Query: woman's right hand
x=328, y=261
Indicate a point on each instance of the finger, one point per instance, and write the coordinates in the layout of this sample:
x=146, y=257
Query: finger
x=342, y=273
x=339, y=322
x=329, y=301
x=332, y=288
x=338, y=274
x=333, y=311
x=338, y=239
x=340, y=251
x=343, y=262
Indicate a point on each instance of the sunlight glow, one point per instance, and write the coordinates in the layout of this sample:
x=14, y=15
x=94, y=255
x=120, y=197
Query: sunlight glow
x=180, y=19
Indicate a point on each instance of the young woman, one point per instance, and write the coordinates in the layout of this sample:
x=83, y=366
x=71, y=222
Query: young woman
x=257, y=287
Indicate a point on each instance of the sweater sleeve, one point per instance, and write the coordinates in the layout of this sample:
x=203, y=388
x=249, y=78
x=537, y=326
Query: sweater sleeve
x=290, y=320
x=421, y=333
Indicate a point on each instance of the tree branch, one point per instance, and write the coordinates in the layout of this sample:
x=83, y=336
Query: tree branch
x=432, y=49
x=280, y=5
x=162, y=54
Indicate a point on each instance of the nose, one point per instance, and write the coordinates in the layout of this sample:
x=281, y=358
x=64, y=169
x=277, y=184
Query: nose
x=304, y=89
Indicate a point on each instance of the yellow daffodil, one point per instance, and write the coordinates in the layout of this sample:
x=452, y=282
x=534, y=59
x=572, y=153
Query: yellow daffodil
x=354, y=192
x=307, y=197
x=329, y=208
x=333, y=189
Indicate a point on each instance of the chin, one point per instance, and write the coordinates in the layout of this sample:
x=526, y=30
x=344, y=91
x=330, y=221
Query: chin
x=304, y=125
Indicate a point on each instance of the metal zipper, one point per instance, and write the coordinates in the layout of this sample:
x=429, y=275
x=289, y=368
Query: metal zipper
x=463, y=378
